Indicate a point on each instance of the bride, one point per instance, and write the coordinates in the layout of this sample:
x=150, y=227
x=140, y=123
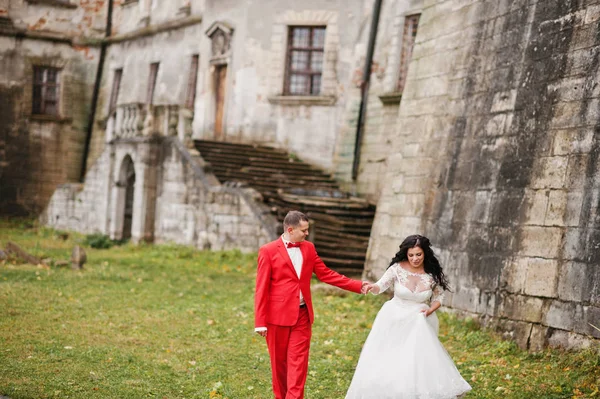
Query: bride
x=402, y=357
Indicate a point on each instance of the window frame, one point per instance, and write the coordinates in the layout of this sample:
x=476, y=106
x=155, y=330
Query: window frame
x=152, y=76
x=39, y=104
x=116, y=88
x=190, y=97
x=309, y=89
x=409, y=34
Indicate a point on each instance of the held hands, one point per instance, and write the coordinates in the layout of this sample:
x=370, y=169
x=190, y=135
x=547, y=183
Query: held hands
x=368, y=287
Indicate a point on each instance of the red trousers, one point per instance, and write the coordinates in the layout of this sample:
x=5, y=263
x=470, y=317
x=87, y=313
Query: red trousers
x=288, y=350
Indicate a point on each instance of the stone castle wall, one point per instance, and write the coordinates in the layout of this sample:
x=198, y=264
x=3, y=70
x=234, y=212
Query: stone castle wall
x=495, y=158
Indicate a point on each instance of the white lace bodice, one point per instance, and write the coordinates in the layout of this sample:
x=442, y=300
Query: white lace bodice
x=416, y=287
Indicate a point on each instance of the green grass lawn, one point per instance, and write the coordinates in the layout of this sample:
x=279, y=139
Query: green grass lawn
x=173, y=322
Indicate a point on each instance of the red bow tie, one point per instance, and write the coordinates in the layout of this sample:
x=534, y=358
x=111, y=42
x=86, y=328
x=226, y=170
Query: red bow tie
x=293, y=245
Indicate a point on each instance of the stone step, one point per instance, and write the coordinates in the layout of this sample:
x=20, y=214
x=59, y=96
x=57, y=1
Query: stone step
x=227, y=146
x=262, y=173
x=266, y=163
x=342, y=223
x=6, y=23
x=337, y=263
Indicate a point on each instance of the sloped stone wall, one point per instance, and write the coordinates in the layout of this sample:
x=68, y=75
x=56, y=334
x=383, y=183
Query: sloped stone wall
x=495, y=158
x=175, y=200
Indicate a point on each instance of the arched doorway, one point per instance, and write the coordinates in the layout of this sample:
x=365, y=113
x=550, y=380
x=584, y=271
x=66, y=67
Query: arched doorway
x=127, y=182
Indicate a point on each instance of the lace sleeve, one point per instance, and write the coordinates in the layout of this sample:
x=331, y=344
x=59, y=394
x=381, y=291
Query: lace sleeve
x=438, y=294
x=387, y=280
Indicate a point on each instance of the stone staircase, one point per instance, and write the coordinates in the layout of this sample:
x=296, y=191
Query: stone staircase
x=6, y=24
x=341, y=223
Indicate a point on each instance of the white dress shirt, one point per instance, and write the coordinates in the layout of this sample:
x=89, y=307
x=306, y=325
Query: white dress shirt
x=296, y=258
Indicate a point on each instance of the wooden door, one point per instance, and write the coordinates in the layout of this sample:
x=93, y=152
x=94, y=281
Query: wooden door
x=220, y=83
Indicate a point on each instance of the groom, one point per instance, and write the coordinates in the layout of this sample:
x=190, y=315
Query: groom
x=283, y=303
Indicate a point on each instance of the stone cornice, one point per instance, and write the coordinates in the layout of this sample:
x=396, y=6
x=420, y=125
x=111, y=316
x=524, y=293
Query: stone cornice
x=391, y=98
x=154, y=29
x=57, y=37
x=302, y=100
x=54, y=3
x=50, y=36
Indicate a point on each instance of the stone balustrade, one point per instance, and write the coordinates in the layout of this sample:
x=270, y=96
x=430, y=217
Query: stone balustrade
x=139, y=120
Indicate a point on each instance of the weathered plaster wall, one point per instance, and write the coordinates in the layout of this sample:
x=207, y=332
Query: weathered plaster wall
x=38, y=153
x=495, y=159
x=75, y=18
x=255, y=69
x=256, y=76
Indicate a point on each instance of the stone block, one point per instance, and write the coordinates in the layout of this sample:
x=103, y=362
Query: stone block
x=574, y=208
x=574, y=283
x=481, y=207
x=594, y=285
x=536, y=206
x=514, y=275
x=592, y=14
x=543, y=242
x=573, y=245
x=569, y=89
x=576, y=177
x=411, y=204
x=572, y=141
x=504, y=101
x=537, y=338
x=542, y=276
x=592, y=319
x=505, y=206
x=520, y=307
x=564, y=315
x=584, y=37
x=566, y=115
x=465, y=298
x=516, y=331
x=497, y=125
x=557, y=205
x=567, y=339
x=549, y=172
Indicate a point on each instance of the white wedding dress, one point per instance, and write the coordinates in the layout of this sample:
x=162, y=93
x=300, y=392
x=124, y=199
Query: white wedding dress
x=402, y=357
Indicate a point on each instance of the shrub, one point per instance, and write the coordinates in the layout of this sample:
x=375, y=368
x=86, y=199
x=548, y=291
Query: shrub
x=100, y=241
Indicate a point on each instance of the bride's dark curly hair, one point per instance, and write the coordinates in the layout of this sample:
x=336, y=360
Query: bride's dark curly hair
x=431, y=263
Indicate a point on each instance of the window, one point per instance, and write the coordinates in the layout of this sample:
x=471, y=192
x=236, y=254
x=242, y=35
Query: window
x=411, y=24
x=46, y=90
x=192, y=79
x=114, y=95
x=304, y=66
x=152, y=82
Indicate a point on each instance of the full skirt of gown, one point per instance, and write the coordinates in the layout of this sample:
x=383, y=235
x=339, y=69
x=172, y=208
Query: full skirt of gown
x=403, y=358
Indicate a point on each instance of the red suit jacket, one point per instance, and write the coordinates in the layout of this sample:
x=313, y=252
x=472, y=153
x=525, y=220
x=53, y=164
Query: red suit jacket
x=278, y=286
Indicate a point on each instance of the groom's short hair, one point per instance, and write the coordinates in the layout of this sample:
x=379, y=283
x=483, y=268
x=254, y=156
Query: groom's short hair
x=293, y=219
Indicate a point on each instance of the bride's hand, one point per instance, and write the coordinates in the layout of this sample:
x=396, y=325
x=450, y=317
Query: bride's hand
x=425, y=312
x=373, y=289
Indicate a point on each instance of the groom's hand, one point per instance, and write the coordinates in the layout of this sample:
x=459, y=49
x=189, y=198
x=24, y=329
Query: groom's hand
x=366, y=287
x=262, y=331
